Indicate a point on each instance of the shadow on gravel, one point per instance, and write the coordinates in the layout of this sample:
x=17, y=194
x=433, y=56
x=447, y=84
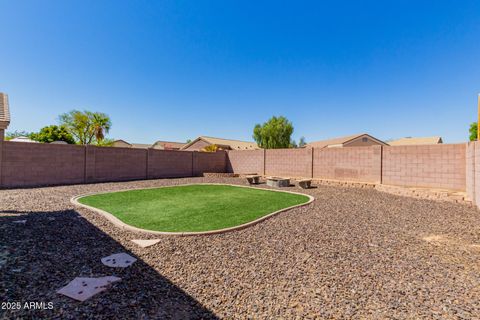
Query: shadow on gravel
x=52, y=248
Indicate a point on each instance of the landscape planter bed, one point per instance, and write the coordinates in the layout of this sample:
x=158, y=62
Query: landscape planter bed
x=192, y=209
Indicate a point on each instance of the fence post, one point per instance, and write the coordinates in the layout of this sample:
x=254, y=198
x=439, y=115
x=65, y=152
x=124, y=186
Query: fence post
x=381, y=164
x=194, y=163
x=89, y=164
x=311, y=162
x=146, y=165
x=264, y=162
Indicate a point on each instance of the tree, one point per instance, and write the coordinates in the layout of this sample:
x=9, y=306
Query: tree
x=86, y=127
x=211, y=148
x=473, y=131
x=189, y=140
x=274, y=134
x=302, y=142
x=53, y=133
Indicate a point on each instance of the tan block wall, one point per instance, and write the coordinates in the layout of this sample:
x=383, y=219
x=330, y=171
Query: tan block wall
x=29, y=164
x=169, y=164
x=247, y=161
x=348, y=164
x=435, y=166
x=209, y=162
x=36, y=164
x=476, y=173
x=117, y=164
x=470, y=171
x=293, y=163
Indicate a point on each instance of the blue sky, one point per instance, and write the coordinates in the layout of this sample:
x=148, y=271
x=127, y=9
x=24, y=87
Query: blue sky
x=178, y=69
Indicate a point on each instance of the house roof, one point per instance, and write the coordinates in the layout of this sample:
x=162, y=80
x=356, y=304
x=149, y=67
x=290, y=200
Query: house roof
x=140, y=145
x=409, y=141
x=163, y=144
x=230, y=143
x=340, y=141
x=169, y=144
x=4, y=111
x=23, y=139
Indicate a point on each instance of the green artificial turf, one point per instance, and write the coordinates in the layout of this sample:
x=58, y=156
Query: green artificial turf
x=192, y=207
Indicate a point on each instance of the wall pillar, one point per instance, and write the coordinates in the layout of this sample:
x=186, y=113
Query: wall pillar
x=264, y=162
x=2, y=135
x=194, y=163
x=89, y=164
x=310, y=162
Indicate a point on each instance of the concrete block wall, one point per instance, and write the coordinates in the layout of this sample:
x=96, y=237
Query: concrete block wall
x=470, y=171
x=209, y=162
x=37, y=164
x=119, y=164
x=294, y=163
x=29, y=164
x=169, y=164
x=476, y=173
x=247, y=161
x=434, y=166
x=361, y=164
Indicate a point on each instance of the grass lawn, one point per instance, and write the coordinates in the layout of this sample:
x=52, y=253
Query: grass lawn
x=192, y=207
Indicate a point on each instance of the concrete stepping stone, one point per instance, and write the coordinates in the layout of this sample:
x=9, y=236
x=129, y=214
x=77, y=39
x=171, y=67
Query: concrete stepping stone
x=119, y=260
x=82, y=289
x=145, y=243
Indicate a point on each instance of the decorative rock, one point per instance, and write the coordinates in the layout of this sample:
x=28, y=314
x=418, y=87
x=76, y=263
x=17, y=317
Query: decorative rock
x=145, y=243
x=20, y=221
x=119, y=260
x=82, y=289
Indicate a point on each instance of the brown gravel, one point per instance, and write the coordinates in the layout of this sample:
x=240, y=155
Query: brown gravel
x=352, y=253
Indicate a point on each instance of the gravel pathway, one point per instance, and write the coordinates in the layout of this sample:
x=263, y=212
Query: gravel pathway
x=352, y=253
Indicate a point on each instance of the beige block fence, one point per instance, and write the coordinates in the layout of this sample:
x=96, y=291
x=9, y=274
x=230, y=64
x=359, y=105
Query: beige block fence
x=453, y=167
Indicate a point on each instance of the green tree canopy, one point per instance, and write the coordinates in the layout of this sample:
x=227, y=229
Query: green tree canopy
x=274, y=134
x=53, y=133
x=473, y=131
x=86, y=127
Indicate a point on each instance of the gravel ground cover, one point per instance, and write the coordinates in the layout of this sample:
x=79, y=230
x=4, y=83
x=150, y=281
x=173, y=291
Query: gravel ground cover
x=352, y=253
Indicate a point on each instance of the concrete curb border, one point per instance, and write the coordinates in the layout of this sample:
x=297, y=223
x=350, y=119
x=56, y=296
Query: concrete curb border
x=117, y=222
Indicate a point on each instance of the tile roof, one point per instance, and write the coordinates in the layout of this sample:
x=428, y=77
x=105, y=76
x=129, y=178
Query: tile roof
x=232, y=144
x=409, y=141
x=339, y=141
x=168, y=144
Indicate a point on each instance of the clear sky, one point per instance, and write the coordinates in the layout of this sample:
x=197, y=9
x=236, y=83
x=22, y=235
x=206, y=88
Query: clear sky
x=174, y=70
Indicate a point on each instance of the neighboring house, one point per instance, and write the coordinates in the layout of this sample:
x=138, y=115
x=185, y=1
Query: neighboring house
x=23, y=139
x=409, y=141
x=161, y=145
x=4, y=115
x=223, y=144
x=168, y=145
x=358, y=140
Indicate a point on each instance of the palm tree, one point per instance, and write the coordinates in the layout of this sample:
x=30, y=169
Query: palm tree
x=101, y=124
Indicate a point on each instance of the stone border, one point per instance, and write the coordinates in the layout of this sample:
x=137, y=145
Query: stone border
x=117, y=222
